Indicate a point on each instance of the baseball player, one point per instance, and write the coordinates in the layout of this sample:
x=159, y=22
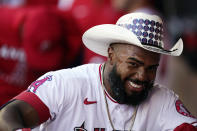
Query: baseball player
x=119, y=94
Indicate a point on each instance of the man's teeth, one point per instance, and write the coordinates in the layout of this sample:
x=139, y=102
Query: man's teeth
x=135, y=85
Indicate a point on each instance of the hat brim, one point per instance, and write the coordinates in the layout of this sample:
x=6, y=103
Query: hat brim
x=98, y=39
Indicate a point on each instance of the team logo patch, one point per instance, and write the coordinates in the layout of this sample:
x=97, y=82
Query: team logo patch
x=34, y=86
x=182, y=110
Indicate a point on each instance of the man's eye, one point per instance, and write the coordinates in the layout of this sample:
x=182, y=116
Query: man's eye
x=133, y=64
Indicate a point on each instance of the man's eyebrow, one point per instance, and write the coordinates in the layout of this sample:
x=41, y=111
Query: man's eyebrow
x=136, y=60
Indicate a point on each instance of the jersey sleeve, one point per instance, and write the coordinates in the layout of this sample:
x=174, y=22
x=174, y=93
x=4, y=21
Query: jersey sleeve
x=173, y=112
x=49, y=94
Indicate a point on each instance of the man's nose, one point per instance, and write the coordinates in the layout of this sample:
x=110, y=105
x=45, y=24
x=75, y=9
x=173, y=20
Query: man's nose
x=141, y=74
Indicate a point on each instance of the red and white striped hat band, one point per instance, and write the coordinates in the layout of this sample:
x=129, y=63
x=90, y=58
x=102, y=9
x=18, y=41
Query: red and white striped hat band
x=140, y=29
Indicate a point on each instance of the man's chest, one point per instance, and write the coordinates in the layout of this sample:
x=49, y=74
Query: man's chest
x=91, y=114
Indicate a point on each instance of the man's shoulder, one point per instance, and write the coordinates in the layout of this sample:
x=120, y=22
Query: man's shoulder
x=91, y=66
x=78, y=72
x=162, y=88
x=83, y=67
x=159, y=97
x=161, y=92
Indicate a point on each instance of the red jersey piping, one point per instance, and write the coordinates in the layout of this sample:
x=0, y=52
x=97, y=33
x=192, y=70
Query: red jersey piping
x=100, y=66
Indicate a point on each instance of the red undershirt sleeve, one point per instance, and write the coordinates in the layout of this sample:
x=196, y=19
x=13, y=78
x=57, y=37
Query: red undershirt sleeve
x=36, y=103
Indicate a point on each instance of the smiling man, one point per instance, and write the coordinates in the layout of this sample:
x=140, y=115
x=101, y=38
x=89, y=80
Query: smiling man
x=130, y=73
x=119, y=94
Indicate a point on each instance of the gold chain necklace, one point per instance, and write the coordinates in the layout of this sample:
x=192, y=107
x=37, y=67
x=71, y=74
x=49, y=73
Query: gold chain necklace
x=107, y=107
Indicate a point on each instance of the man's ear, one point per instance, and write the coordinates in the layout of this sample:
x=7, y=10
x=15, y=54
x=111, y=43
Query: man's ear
x=110, y=54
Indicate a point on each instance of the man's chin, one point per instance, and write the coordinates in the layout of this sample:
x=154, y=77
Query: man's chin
x=136, y=98
x=133, y=93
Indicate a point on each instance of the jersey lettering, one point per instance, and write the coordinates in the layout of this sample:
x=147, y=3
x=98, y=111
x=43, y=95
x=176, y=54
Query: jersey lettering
x=34, y=86
x=81, y=128
x=99, y=129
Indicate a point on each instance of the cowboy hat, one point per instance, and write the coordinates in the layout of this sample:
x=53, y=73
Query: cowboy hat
x=140, y=29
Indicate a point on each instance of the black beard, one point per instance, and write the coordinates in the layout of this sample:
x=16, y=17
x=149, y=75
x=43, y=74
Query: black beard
x=118, y=90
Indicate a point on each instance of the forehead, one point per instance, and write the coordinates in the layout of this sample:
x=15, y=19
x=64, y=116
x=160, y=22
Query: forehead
x=125, y=51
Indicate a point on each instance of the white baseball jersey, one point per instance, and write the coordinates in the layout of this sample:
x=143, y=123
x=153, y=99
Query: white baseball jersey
x=75, y=100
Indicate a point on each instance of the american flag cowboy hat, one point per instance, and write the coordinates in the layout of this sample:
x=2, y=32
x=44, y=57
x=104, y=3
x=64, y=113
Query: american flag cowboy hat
x=140, y=29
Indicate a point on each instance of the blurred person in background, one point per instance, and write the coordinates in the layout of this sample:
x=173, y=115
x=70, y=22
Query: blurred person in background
x=32, y=42
x=89, y=13
x=22, y=3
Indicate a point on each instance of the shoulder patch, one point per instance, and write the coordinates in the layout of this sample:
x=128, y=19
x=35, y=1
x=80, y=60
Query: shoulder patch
x=182, y=109
x=34, y=86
